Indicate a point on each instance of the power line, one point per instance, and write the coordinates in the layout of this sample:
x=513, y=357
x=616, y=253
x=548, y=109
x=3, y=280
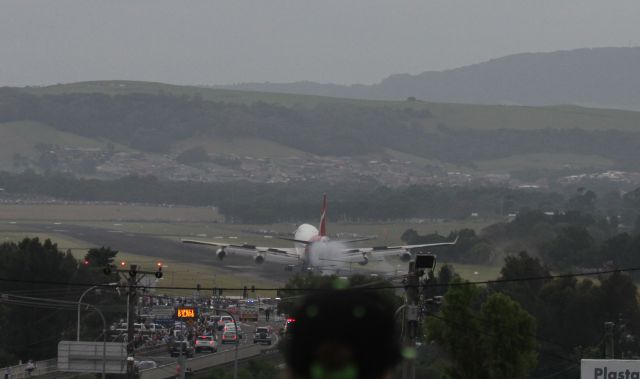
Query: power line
x=372, y=288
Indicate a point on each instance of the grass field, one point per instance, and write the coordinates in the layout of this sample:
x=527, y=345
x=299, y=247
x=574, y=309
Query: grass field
x=22, y=136
x=176, y=274
x=102, y=212
x=238, y=146
x=180, y=274
x=193, y=222
x=202, y=222
x=475, y=273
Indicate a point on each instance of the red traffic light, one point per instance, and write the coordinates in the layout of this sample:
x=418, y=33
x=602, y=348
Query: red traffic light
x=123, y=263
x=86, y=262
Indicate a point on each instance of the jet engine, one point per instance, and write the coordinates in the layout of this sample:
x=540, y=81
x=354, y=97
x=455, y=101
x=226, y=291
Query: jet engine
x=221, y=253
x=406, y=256
x=259, y=259
x=364, y=261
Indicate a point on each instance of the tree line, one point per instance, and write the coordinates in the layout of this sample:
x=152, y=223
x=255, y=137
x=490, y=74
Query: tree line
x=532, y=328
x=26, y=267
x=245, y=202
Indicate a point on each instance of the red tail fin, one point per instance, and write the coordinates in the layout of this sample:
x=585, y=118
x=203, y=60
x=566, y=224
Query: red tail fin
x=323, y=216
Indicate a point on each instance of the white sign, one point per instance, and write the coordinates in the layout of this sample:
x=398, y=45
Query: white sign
x=609, y=369
x=87, y=356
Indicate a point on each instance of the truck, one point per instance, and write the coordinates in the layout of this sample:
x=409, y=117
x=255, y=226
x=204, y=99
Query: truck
x=249, y=312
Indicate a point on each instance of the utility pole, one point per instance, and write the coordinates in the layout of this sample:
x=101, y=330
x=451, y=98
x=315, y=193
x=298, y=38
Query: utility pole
x=182, y=362
x=131, y=301
x=133, y=276
x=410, y=323
x=608, y=340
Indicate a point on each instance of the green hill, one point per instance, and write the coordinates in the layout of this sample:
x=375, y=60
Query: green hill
x=157, y=118
x=454, y=115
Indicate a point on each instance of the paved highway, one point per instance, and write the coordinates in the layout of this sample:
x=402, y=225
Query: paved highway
x=167, y=365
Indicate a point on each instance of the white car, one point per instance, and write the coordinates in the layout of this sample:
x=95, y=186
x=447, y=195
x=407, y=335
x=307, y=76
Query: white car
x=223, y=321
x=231, y=327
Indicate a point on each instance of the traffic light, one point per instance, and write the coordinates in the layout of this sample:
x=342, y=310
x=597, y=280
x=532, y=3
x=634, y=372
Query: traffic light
x=244, y=292
x=86, y=262
x=253, y=289
x=107, y=270
x=198, y=287
x=133, y=270
x=159, y=272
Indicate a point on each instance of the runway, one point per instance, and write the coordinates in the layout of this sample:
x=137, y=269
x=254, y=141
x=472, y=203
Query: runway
x=164, y=249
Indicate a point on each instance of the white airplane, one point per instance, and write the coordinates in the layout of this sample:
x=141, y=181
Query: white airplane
x=313, y=249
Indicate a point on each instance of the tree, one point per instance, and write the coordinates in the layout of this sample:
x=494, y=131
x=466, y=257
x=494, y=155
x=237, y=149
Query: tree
x=494, y=338
x=573, y=246
x=524, y=292
x=509, y=339
x=30, y=333
x=456, y=329
x=583, y=201
x=438, y=285
x=100, y=257
x=28, y=267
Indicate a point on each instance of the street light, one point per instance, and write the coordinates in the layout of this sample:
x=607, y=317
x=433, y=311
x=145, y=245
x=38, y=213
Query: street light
x=80, y=302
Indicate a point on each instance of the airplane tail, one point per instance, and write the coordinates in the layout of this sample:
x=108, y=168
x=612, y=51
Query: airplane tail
x=323, y=216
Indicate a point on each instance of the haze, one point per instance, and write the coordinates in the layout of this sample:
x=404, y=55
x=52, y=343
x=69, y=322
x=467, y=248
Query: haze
x=225, y=42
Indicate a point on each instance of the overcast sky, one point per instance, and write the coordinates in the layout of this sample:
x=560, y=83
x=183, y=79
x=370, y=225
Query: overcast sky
x=336, y=41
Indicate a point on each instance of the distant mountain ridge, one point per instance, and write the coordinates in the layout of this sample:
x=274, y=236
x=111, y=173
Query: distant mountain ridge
x=606, y=77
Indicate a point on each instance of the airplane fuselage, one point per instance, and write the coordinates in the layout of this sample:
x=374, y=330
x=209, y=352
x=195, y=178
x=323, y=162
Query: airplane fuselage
x=309, y=233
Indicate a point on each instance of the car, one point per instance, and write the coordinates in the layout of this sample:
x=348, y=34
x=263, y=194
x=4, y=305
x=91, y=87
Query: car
x=229, y=336
x=179, y=334
x=263, y=334
x=223, y=321
x=287, y=325
x=233, y=327
x=181, y=347
x=145, y=365
x=206, y=343
x=212, y=320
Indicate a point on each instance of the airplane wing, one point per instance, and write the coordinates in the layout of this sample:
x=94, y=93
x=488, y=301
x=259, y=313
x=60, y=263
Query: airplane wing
x=259, y=253
x=347, y=241
x=402, y=250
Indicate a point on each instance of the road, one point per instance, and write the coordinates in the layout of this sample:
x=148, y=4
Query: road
x=165, y=249
x=226, y=353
